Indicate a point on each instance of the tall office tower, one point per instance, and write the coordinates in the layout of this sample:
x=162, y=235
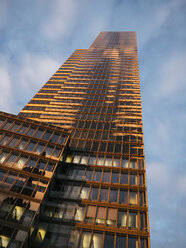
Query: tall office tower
x=98, y=195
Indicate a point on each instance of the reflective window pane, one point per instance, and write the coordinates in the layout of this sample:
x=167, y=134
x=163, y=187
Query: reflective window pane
x=115, y=177
x=124, y=178
x=122, y=219
x=97, y=240
x=109, y=241
x=133, y=242
x=85, y=240
x=123, y=196
x=132, y=197
x=120, y=242
x=94, y=193
x=106, y=176
x=103, y=194
x=113, y=195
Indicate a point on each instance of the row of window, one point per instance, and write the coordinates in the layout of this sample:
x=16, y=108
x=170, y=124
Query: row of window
x=17, y=161
x=106, y=136
x=31, y=146
x=23, y=184
x=101, y=194
x=105, y=125
x=133, y=149
x=105, y=176
x=33, y=131
x=96, y=215
x=16, y=210
x=105, y=161
x=44, y=234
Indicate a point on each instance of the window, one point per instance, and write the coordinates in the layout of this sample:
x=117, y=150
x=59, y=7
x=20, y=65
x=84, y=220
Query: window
x=133, y=220
x=122, y=218
x=31, y=146
x=21, y=162
x=123, y=196
x=84, y=192
x=109, y=241
x=5, y=139
x=141, y=180
x=84, y=160
x=75, y=191
x=116, y=162
x=74, y=238
x=94, y=193
x=133, y=179
x=85, y=240
x=91, y=213
x=96, y=240
x=132, y=242
x=106, y=177
x=100, y=161
x=88, y=174
x=92, y=160
x=23, y=129
x=40, y=148
x=3, y=156
x=111, y=216
x=31, y=131
x=132, y=197
x=124, y=163
x=97, y=175
x=47, y=135
x=124, y=178
x=115, y=177
x=11, y=160
x=39, y=133
x=140, y=164
x=103, y=194
x=113, y=195
x=120, y=242
x=69, y=212
x=55, y=137
x=13, y=142
x=76, y=159
x=49, y=149
x=133, y=164
x=101, y=215
x=22, y=144
x=108, y=162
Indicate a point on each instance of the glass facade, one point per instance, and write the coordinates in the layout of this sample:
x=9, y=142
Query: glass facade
x=97, y=196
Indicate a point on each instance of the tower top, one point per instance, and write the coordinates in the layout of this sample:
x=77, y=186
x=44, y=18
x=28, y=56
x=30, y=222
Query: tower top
x=118, y=40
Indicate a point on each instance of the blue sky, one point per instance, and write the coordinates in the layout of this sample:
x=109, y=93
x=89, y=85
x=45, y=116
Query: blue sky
x=37, y=36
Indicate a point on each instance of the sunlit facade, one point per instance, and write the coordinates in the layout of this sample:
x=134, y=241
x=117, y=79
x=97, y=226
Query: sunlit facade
x=97, y=196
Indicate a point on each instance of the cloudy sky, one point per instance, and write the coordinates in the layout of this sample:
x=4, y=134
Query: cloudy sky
x=37, y=36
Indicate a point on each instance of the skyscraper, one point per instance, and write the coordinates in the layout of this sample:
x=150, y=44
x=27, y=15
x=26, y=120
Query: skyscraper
x=98, y=195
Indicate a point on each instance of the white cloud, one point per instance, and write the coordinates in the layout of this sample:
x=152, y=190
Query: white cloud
x=5, y=87
x=61, y=18
x=35, y=71
x=172, y=74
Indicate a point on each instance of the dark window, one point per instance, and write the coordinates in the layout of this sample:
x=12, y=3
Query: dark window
x=123, y=196
x=106, y=176
x=133, y=242
x=103, y=194
x=94, y=193
x=124, y=178
x=113, y=195
x=115, y=177
x=120, y=242
x=97, y=175
x=109, y=241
